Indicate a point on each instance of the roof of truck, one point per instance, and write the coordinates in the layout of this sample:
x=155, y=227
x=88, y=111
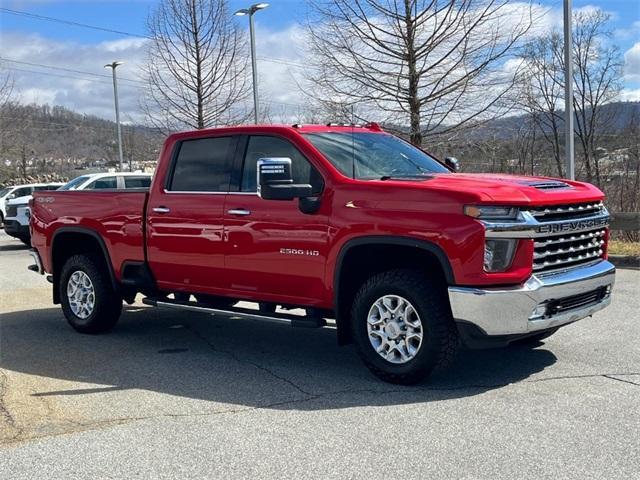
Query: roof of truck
x=275, y=128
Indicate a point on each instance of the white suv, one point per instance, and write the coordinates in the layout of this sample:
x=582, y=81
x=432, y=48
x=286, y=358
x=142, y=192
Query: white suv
x=17, y=191
x=16, y=210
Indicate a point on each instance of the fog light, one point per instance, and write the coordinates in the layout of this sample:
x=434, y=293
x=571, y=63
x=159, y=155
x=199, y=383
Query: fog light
x=498, y=254
x=539, y=312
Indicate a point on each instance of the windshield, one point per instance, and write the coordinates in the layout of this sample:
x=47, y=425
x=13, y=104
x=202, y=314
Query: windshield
x=4, y=191
x=368, y=156
x=75, y=183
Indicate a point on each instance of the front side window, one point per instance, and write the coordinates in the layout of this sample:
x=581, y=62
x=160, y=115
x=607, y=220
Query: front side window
x=103, y=183
x=368, y=156
x=269, y=147
x=203, y=165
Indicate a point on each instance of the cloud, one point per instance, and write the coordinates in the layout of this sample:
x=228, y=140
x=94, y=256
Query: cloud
x=632, y=63
x=282, y=64
x=80, y=83
x=630, y=95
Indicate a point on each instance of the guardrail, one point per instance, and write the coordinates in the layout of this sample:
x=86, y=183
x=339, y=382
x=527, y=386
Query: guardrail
x=625, y=221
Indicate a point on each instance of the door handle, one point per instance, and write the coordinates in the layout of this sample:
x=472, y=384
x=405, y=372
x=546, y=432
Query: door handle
x=161, y=210
x=241, y=212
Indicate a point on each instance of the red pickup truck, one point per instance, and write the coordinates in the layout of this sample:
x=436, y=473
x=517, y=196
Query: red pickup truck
x=351, y=224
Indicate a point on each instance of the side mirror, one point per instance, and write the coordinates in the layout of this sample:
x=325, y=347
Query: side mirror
x=11, y=197
x=452, y=163
x=275, y=180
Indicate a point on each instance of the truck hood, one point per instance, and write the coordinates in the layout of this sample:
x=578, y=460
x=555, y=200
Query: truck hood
x=515, y=189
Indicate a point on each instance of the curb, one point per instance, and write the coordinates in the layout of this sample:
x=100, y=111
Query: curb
x=625, y=261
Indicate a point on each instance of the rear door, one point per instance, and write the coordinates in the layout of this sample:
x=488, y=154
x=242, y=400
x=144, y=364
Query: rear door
x=275, y=251
x=185, y=235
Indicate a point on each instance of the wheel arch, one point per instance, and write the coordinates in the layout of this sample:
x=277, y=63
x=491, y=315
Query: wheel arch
x=68, y=241
x=353, y=266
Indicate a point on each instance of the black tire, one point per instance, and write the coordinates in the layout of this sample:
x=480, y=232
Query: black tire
x=440, y=337
x=534, y=340
x=108, y=303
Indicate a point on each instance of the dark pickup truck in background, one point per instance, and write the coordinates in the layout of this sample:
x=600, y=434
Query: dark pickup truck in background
x=409, y=258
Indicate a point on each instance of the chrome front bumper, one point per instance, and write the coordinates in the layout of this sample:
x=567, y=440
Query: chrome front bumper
x=528, y=308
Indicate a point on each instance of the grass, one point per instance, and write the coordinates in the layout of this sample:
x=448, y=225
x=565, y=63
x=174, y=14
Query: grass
x=619, y=247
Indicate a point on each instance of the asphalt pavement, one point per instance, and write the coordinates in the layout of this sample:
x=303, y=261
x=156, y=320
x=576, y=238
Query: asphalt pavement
x=185, y=395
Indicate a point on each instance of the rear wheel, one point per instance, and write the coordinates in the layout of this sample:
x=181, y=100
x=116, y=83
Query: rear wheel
x=402, y=326
x=89, y=302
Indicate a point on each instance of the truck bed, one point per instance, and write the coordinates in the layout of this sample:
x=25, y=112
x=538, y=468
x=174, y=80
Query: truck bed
x=117, y=216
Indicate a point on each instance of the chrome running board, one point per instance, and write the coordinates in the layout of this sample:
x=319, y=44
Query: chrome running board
x=244, y=313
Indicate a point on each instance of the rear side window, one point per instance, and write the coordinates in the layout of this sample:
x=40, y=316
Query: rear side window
x=137, y=182
x=103, y=183
x=203, y=165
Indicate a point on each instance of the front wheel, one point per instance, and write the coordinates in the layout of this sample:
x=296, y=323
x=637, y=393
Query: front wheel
x=402, y=326
x=89, y=302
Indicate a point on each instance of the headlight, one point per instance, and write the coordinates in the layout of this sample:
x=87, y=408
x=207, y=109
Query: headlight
x=483, y=212
x=498, y=254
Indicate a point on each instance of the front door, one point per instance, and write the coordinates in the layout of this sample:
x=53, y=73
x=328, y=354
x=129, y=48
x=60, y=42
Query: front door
x=275, y=251
x=185, y=239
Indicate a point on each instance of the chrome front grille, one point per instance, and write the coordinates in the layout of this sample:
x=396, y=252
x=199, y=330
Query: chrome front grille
x=568, y=250
x=564, y=236
x=567, y=212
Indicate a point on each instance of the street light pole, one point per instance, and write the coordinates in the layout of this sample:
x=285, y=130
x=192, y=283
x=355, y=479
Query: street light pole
x=113, y=67
x=568, y=93
x=254, y=67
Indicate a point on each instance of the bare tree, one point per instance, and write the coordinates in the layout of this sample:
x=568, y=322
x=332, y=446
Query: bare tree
x=597, y=74
x=196, y=69
x=542, y=91
x=597, y=80
x=432, y=64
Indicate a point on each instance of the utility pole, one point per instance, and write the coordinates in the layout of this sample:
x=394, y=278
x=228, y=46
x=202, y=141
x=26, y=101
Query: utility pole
x=113, y=67
x=568, y=92
x=254, y=68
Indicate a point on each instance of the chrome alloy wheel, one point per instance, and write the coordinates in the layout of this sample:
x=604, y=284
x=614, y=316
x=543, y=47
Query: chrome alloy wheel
x=395, y=330
x=81, y=294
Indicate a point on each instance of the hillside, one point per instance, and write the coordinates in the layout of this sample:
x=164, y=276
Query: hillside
x=45, y=139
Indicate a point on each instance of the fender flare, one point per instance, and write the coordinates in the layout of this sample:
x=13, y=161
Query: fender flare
x=103, y=247
x=425, y=245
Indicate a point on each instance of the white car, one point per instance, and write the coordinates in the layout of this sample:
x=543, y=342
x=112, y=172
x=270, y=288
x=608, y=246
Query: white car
x=19, y=191
x=16, y=219
x=119, y=180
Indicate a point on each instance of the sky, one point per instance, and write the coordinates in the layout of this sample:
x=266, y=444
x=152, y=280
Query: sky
x=27, y=43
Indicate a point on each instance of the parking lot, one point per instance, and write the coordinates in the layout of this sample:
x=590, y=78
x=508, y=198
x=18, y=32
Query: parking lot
x=184, y=395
